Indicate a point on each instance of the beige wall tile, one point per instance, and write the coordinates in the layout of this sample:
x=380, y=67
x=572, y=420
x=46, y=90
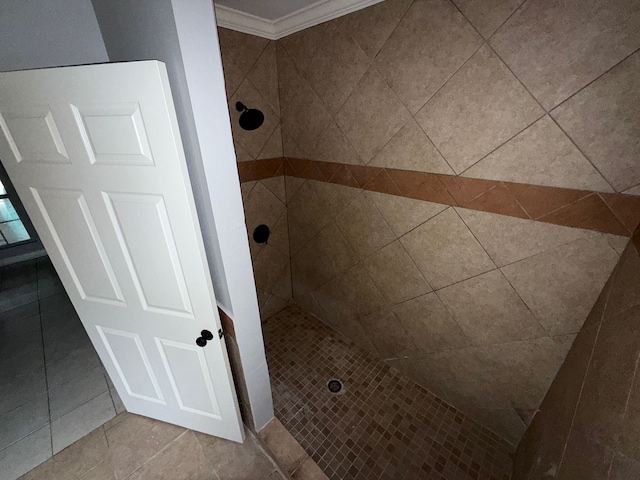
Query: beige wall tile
x=264, y=76
x=325, y=256
x=504, y=421
x=292, y=185
x=302, y=45
x=273, y=148
x=411, y=149
x=372, y=26
x=309, y=304
x=403, y=214
x=498, y=376
x=540, y=155
x=290, y=147
x=617, y=242
x=372, y=115
x=395, y=274
x=509, y=239
x=268, y=266
x=351, y=295
x=429, y=324
x=253, y=141
x=488, y=310
x=242, y=48
x=446, y=251
x=624, y=467
x=245, y=190
x=336, y=66
x=272, y=306
x=604, y=120
x=624, y=291
x=387, y=335
x=303, y=113
x=276, y=186
x=334, y=147
x=241, y=154
x=487, y=15
x=338, y=311
x=584, y=459
x=482, y=106
x=262, y=206
x=556, y=48
x=612, y=367
x=363, y=227
x=233, y=74
x=313, y=207
x=417, y=369
x=429, y=44
x=561, y=285
x=283, y=288
x=633, y=191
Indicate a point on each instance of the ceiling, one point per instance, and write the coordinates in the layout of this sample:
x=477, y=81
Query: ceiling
x=275, y=19
x=271, y=10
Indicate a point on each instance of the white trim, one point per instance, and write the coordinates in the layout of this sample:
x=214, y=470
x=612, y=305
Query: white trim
x=314, y=14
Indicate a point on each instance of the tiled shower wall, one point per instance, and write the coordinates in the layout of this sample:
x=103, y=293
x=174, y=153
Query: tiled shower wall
x=251, y=77
x=478, y=307
x=588, y=426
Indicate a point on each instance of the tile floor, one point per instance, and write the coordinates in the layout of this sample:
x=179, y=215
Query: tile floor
x=139, y=448
x=54, y=388
x=381, y=425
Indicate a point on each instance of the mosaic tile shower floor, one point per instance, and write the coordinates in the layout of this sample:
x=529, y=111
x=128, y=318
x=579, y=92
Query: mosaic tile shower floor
x=381, y=425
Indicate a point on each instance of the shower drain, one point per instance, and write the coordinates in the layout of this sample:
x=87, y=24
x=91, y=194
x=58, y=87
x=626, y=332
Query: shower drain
x=334, y=386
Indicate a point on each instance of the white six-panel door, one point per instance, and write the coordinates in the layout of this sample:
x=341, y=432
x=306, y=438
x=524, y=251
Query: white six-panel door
x=96, y=157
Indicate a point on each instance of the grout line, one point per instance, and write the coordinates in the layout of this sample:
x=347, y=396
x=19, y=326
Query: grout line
x=595, y=342
x=583, y=153
x=161, y=451
x=497, y=148
x=519, y=7
x=595, y=79
x=614, y=213
x=482, y=43
x=44, y=355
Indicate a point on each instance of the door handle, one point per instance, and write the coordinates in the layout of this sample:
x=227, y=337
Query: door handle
x=202, y=340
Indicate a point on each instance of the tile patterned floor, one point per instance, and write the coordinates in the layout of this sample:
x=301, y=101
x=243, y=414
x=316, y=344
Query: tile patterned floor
x=139, y=448
x=54, y=389
x=382, y=425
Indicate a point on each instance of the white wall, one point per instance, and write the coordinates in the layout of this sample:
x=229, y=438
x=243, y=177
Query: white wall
x=182, y=34
x=48, y=33
x=146, y=30
x=40, y=34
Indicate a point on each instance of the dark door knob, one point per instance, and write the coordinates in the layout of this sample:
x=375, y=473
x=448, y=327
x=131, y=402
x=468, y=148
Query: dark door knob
x=201, y=341
x=206, y=334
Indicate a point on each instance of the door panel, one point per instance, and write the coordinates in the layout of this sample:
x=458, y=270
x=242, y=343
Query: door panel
x=180, y=360
x=98, y=124
x=142, y=225
x=127, y=353
x=96, y=157
x=69, y=220
x=33, y=135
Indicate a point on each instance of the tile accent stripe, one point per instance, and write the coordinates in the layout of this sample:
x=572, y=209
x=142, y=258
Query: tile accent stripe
x=614, y=213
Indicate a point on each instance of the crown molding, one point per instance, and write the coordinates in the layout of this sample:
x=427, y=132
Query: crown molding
x=314, y=14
